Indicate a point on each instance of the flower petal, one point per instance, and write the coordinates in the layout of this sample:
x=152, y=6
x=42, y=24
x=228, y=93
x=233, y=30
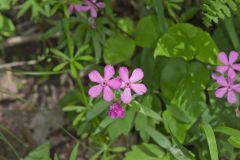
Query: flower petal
x=236, y=67
x=116, y=111
x=95, y=76
x=95, y=91
x=219, y=93
x=126, y=96
x=221, y=69
x=236, y=87
x=80, y=8
x=100, y=5
x=231, y=97
x=107, y=94
x=137, y=75
x=214, y=76
x=233, y=57
x=115, y=83
x=71, y=9
x=108, y=72
x=140, y=88
x=123, y=73
x=222, y=81
x=93, y=12
x=223, y=58
x=231, y=73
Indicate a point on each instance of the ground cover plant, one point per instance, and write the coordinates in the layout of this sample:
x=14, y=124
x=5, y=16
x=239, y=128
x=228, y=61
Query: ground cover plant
x=119, y=79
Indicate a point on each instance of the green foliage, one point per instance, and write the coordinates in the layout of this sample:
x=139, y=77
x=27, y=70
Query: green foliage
x=42, y=153
x=177, y=58
x=118, y=48
x=218, y=9
x=189, y=42
x=147, y=32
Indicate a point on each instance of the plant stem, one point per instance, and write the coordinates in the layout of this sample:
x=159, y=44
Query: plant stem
x=80, y=84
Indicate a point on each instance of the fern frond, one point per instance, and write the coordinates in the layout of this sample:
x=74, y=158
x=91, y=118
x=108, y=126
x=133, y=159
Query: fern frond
x=214, y=10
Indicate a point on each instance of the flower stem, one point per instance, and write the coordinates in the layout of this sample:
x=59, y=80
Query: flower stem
x=80, y=85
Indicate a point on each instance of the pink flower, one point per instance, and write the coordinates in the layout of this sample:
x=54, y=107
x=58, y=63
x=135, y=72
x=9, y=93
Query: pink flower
x=227, y=87
x=92, y=6
x=74, y=8
x=105, y=84
x=116, y=111
x=229, y=64
x=131, y=84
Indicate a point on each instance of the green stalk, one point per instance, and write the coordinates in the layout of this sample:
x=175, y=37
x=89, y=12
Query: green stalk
x=229, y=25
x=79, y=82
x=160, y=13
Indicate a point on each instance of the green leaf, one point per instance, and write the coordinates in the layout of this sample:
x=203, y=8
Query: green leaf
x=125, y=123
x=187, y=41
x=85, y=58
x=40, y=73
x=178, y=114
x=118, y=149
x=146, y=111
x=126, y=24
x=211, y=141
x=177, y=128
x=118, y=48
x=97, y=109
x=82, y=49
x=40, y=153
x=147, y=32
x=56, y=157
x=73, y=70
x=228, y=131
x=74, y=108
x=59, y=66
x=146, y=151
x=7, y=27
x=183, y=84
x=59, y=54
x=105, y=122
x=235, y=141
x=158, y=137
x=74, y=153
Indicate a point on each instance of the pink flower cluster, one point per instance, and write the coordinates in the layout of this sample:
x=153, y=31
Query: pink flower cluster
x=123, y=82
x=227, y=76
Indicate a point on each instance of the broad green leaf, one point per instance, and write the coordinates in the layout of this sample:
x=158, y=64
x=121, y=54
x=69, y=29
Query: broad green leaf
x=211, y=141
x=40, y=153
x=74, y=153
x=126, y=124
x=118, y=48
x=158, y=137
x=97, y=109
x=126, y=24
x=177, y=128
x=105, y=122
x=178, y=114
x=147, y=32
x=183, y=85
x=145, y=151
x=187, y=41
